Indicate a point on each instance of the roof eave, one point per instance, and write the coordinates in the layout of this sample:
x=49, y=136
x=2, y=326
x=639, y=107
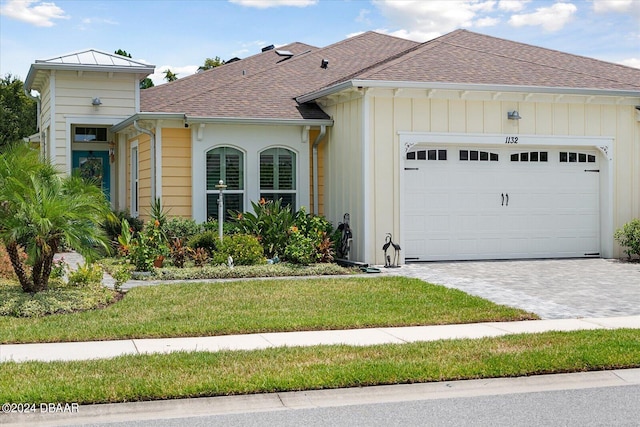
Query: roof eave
x=259, y=121
x=463, y=86
x=219, y=120
x=146, y=116
x=37, y=66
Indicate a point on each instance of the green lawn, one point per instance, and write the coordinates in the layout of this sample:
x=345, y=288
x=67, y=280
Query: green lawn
x=179, y=375
x=206, y=309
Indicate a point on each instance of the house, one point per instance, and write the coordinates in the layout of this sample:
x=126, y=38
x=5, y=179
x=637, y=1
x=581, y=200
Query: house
x=464, y=147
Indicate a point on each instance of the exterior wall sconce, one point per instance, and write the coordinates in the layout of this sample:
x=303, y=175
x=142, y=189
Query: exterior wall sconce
x=112, y=151
x=513, y=115
x=96, y=102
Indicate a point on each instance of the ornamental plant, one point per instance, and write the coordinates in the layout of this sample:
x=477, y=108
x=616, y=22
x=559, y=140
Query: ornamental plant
x=269, y=222
x=242, y=248
x=629, y=237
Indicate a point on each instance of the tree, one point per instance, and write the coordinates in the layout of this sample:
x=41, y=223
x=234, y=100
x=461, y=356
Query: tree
x=122, y=53
x=210, y=63
x=145, y=83
x=17, y=111
x=170, y=76
x=41, y=209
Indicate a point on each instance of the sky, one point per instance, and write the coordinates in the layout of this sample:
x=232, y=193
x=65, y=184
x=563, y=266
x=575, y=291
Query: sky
x=180, y=35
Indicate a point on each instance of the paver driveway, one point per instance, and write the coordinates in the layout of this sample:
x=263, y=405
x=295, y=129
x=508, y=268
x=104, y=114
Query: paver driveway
x=553, y=289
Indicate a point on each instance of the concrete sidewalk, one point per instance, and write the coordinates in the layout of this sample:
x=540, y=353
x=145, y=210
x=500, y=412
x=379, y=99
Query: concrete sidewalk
x=360, y=337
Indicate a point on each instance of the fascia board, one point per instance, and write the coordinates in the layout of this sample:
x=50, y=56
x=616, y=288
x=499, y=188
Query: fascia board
x=259, y=121
x=146, y=116
x=464, y=86
x=33, y=70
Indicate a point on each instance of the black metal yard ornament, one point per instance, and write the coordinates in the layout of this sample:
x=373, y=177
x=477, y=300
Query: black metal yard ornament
x=388, y=241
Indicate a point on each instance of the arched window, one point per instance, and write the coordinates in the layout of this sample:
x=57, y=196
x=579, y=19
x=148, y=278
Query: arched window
x=278, y=176
x=227, y=164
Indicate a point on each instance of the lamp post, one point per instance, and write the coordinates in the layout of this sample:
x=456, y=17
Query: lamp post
x=221, y=186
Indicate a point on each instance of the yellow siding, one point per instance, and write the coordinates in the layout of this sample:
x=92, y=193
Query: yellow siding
x=144, y=178
x=176, y=171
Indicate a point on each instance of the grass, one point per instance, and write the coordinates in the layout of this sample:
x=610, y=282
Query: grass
x=181, y=375
x=207, y=309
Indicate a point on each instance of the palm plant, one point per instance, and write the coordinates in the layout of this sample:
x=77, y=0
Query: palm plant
x=42, y=209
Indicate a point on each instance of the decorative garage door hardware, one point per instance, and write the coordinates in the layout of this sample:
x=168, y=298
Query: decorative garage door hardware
x=503, y=199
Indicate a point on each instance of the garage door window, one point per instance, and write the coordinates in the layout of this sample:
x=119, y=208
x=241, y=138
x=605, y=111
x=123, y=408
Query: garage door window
x=530, y=156
x=568, y=157
x=475, y=156
x=433, y=154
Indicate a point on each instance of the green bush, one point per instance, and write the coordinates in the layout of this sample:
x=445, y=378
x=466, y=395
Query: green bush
x=228, y=227
x=182, y=228
x=629, y=237
x=300, y=249
x=208, y=241
x=270, y=222
x=243, y=248
x=113, y=224
x=87, y=274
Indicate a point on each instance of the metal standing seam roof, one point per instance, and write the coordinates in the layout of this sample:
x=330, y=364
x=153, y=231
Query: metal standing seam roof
x=462, y=57
x=90, y=60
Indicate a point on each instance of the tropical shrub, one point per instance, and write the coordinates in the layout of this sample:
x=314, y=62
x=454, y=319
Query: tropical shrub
x=148, y=246
x=629, y=237
x=200, y=257
x=270, y=223
x=180, y=252
x=207, y=240
x=113, y=224
x=182, y=228
x=87, y=274
x=242, y=248
x=41, y=209
x=300, y=249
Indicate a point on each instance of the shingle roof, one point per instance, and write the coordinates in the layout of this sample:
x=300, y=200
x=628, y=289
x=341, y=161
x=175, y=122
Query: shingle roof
x=466, y=57
x=270, y=92
x=269, y=86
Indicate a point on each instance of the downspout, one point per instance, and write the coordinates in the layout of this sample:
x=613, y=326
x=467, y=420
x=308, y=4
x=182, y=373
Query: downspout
x=316, y=197
x=152, y=159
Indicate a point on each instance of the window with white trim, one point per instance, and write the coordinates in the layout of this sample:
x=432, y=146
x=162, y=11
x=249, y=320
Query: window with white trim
x=278, y=176
x=227, y=164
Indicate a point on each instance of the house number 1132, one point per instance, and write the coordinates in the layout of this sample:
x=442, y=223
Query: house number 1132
x=511, y=140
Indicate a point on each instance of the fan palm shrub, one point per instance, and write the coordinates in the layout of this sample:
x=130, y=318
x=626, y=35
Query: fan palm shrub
x=41, y=209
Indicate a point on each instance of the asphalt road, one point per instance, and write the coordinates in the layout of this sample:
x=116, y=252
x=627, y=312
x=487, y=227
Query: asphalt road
x=607, y=406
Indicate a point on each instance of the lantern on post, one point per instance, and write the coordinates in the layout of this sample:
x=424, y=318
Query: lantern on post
x=221, y=186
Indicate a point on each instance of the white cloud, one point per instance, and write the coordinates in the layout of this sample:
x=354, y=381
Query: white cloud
x=603, y=6
x=363, y=16
x=487, y=22
x=264, y=4
x=631, y=7
x=91, y=23
x=512, y=5
x=40, y=14
x=423, y=20
x=631, y=62
x=551, y=18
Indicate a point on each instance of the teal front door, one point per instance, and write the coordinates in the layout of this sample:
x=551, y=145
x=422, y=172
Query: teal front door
x=94, y=165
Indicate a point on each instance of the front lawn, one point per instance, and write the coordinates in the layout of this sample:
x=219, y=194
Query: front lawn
x=182, y=375
x=254, y=306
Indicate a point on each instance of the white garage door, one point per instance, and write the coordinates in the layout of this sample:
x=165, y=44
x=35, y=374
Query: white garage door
x=468, y=203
